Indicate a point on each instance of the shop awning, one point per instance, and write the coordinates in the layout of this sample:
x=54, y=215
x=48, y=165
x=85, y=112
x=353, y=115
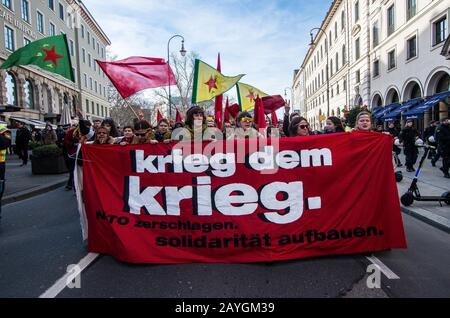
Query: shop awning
x=421, y=108
x=32, y=122
x=385, y=110
x=398, y=110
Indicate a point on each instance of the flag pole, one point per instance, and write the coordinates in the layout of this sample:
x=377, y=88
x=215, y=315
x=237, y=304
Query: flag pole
x=129, y=105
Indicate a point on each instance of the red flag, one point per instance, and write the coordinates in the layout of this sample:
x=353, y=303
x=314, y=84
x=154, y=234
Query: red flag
x=218, y=101
x=234, y=110
x=178, y=117
x=260, y=117
x=136, y=73
x=226, y=117
x=272, y=103
x=274, y=119
x=159, y=116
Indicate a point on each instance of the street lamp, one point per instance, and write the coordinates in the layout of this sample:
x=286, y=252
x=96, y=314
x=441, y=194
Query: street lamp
x=326, y=67
x=183, y=53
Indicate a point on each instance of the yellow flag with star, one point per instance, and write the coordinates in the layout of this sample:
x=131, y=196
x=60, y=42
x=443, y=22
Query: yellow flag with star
x=209, y=82
x=247, y=95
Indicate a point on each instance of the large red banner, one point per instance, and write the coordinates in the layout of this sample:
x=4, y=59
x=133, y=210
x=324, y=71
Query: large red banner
x=238, y=201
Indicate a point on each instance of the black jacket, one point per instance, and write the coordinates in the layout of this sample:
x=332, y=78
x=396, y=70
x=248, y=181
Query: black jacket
x=23, y=136
x=443, y=133
x=408, y=136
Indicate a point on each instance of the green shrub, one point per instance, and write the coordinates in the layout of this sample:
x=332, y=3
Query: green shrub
x=47, y=151
x=34, y=144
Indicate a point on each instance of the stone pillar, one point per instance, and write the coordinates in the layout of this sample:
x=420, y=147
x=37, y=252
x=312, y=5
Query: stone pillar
x=21, y=98
x=39, y=98
x=443, y=110
x=3, y=98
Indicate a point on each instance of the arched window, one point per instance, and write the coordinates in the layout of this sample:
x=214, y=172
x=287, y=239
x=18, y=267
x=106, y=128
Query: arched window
x=11, y=89
x=343, y=55
x=29, y=94
x=337, y=62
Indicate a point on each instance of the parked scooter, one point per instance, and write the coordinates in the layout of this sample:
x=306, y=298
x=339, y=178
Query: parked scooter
x=413, y=193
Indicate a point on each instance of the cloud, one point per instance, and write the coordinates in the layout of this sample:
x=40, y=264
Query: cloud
x=264, y=39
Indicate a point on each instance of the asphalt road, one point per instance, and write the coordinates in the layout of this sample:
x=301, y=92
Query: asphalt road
x=40, y=237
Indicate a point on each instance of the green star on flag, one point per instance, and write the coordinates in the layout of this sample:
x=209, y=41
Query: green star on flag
x=50, y=54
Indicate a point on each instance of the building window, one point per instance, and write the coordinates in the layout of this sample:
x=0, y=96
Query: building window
x=82, y=31
x=52, y=29
x=410, y=9
x=25, y=11
x=51, y=4
x=7, y=3
x=11, y=89
x=376, y=68
x=98, y=49
x=85, y=80
x=335, y=30
x=96, y=87
x=61, y=11
x=40, y=23
x=342, y=20
x=103, y=52
x=95, y=65
x=29, y=94
x=358, y=76
x=391, y=60
x=89, y=60
x=9, y=39
x=337, y=89
x=87, y=105
x=83, y=53
x=375, y=38
x=71, y=48
x=390, y=20
x=343, y=55
x=337, y=62
x=356, y=11
x=98, y=109
x=440, y=30
x=411, y=47
x=344, y=85
x=90, y=83
x=330, y=38
x=93, y=109
x=331, y=67
x=357, y=51
x=89, y=37
x=26, y=41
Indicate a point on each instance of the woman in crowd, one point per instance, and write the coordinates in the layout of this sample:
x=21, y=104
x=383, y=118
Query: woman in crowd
x=143, y=131
x=333, y=125
x=195, y=120
x=363, y=121
x=299, y=126
x=109, y=124
x=128, y=137
x=162, y=133
x=244, y=127
x=48, y=135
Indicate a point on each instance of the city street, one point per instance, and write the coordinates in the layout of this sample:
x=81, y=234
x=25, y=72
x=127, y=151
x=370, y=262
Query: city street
x=41, y=236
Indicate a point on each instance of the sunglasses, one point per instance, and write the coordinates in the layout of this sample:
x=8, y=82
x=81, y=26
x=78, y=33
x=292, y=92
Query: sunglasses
x=303, y=126
x=101, y=133
x=140, y=134
x=246, y=119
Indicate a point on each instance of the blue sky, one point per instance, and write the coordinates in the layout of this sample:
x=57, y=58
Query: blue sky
x=266, y=40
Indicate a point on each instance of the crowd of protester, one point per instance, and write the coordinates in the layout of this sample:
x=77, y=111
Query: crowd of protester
x=196, y=127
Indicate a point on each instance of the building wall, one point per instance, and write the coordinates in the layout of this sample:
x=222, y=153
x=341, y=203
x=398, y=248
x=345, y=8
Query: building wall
x=52, y=91
x=426, y=69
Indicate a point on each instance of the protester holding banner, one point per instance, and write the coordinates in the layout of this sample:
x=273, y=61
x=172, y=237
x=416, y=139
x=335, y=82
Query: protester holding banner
x=333, y=125
x=162, y=133
x=195, y=121
x=143, y=131
x=109, y=124
x=103, y=137
x=299, y=126
x=363, y=121
x=128, y=137
x=244, y=127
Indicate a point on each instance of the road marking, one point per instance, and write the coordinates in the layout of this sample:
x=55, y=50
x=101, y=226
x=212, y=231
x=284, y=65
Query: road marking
x=383, y=268
x=61, y=283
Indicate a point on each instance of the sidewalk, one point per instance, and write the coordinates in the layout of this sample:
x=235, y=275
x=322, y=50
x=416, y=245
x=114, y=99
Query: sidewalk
x=431, y=183
x=22, y=184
